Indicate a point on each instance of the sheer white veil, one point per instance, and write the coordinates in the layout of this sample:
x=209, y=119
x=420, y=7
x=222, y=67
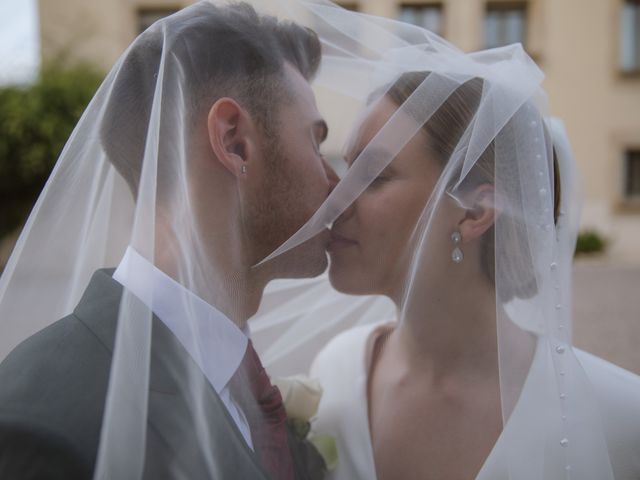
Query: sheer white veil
x=497, y=135
x=86, y=217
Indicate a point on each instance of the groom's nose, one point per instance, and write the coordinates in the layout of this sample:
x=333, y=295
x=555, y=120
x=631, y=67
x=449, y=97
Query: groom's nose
x=332, y=176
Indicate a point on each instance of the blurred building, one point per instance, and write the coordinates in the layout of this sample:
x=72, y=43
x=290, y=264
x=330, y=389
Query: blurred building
x=589, y=50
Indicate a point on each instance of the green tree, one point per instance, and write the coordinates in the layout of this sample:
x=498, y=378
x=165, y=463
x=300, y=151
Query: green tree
x=590, y=242
x=35, y=122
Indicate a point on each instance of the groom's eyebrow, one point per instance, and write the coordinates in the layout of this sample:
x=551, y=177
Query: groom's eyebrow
x=322, y=129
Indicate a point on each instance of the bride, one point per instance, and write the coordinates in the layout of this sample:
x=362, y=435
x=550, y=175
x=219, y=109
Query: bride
x=476, y=377
x=460, y=205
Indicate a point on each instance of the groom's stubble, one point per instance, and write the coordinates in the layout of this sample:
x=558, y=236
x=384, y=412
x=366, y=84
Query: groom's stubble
x=279, y=208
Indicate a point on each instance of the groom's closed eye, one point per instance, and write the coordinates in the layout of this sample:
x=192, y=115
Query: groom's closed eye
x=320, y=132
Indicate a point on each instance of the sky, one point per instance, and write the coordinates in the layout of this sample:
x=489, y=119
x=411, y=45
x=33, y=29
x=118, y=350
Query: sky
x=19, y=41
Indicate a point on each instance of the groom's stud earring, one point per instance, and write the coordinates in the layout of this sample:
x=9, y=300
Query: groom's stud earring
x=457, y=256
x=243, y=169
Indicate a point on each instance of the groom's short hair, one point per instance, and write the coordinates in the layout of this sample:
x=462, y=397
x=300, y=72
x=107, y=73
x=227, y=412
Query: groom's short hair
x=221, y=51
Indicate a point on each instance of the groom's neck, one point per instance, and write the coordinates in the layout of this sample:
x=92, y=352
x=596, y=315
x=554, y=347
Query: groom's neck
x=234, y=290
x=239, y=296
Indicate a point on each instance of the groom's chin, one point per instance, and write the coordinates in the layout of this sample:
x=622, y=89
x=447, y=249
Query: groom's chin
x=313, y=271
x=304, y=261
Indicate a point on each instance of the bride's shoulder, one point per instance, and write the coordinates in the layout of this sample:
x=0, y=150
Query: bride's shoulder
x=618, y=394
x=609, y=379
x=348, y=345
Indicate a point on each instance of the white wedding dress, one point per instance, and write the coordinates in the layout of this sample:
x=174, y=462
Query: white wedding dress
x=342, y=370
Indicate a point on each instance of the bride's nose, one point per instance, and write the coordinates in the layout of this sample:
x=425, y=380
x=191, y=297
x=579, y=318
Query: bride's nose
x=347, y=213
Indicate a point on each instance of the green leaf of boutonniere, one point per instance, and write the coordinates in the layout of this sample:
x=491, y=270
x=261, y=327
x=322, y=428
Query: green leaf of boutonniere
x=326, y=446
x=299, y=427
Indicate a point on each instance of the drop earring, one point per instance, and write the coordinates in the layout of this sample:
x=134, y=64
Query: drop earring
x=457, y=256
x=243, y=169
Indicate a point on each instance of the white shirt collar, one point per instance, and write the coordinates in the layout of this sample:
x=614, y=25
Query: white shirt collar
x=214, y=342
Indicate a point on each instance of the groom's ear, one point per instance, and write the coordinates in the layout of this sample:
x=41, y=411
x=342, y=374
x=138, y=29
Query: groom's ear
x=231, y=135
x=481, y=215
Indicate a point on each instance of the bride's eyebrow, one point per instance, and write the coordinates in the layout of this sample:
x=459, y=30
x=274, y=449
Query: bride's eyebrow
x=372, y=152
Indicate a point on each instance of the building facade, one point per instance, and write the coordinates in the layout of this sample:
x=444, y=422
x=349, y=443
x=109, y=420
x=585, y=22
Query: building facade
x=588, y=49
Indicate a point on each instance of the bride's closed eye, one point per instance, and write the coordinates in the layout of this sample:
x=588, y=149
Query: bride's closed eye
x=379, y=180
x=383, y=177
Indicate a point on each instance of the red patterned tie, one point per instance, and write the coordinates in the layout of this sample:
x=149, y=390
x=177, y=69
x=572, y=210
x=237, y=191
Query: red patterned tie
x=262, y=404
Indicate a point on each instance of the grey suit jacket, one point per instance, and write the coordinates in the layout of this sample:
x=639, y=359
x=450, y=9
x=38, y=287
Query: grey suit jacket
x=52, y=395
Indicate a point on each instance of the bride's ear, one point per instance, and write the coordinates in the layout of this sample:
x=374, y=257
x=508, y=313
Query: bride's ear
x=230, y=130
x=481, y=215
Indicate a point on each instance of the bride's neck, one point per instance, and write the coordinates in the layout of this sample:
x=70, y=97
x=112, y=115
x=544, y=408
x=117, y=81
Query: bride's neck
x=450, y=327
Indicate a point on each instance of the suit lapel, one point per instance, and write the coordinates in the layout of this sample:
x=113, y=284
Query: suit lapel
x=198, y=414
x=185, y=412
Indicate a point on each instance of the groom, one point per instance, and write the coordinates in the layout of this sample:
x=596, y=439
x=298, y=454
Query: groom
x=254, y=177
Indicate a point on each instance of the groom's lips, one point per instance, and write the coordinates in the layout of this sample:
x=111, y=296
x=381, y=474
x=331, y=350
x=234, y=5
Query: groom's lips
x=338, y=241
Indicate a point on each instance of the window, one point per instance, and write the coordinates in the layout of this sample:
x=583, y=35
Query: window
x=428, y=16
x=147, y=17
x=353, y=6
x=632, y=175
x=505, y=23
x=630, y=36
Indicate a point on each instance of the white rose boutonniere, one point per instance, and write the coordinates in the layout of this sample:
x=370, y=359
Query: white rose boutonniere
x=301, y=397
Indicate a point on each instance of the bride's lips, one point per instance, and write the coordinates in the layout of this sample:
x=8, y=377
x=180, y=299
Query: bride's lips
x=338, y=241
